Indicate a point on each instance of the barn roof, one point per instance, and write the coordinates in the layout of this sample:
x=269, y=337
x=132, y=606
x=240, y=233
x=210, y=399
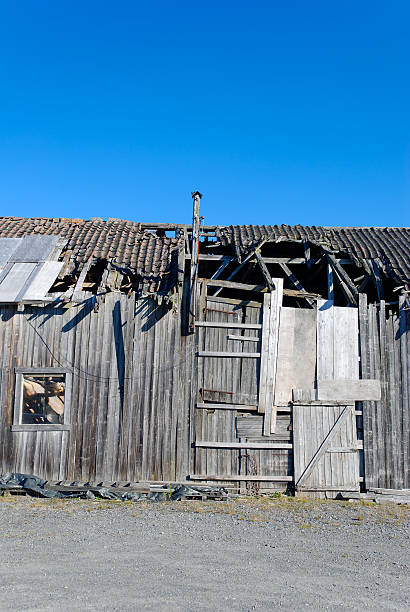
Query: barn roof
x=155, y=257
x=123, y=243
x=389, y=246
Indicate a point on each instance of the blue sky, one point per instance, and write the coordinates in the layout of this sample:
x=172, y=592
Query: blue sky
x=279, y=112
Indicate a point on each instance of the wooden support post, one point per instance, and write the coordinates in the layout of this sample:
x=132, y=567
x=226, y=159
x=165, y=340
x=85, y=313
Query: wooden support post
x=270, y=332
x=194, y=262
x=180, y=234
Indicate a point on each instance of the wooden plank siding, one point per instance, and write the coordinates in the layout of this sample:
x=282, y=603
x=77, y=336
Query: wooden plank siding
x=130, y=395
x=135, y=380
x=384, y=349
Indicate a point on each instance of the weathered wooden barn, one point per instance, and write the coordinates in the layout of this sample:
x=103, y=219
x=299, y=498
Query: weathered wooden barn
x=260, y=357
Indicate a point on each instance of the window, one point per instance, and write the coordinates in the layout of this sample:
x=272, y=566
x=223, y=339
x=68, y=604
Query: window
x=42, y=399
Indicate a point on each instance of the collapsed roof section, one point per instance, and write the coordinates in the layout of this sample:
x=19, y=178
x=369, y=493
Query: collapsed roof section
x=389, y=247
x=98, y=255
x=141, y=258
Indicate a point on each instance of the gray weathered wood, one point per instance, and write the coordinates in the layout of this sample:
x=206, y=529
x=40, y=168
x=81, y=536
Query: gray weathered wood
x=194, y=261
x=232, y=325
x=238, y=477
x=296, y=364
x=316, y=429
x=227, y=354
x=356, y=390
x=337, y=342
x=248, y=445
x=213, y=406
x=269, y=352
x=243, y=338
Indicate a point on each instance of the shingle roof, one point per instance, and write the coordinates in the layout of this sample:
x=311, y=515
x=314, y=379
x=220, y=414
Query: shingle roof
x=390, y=246
x=122, y=242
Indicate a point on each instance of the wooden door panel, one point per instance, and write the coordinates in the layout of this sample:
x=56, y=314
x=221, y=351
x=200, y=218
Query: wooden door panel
x=325, y=448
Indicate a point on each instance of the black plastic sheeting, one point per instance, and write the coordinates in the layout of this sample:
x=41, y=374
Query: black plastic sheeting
x=35, y=486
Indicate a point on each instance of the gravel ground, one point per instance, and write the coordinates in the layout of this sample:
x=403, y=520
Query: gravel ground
x=244, y=554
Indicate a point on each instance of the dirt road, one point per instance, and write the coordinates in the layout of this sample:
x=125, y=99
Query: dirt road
x=236, y=555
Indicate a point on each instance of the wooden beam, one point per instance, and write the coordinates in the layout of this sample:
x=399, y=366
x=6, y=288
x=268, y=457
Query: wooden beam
x=224, y=264
x=77, y=292
x=267, y=260
x=227, y=354
x=228, y=325
x=211, y=406
x=248, y=445
x=306, y=250
x=346, y=284
x=264, y=270
x=363, y=284
x=296, y=282
x=225, y=284
x=378, y=280
x=240, y=477
x=330, y=284
x=194, y=262
x=211, y=282
x=243, y=338
x=249, y=256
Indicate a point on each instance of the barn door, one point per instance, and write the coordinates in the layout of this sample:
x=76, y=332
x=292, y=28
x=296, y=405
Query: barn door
x=326, y=459
x=236, y=367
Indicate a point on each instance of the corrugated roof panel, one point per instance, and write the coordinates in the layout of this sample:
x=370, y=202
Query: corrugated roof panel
x=7, y=248
x=14, y=281
x=43, y=280
x=34, y=248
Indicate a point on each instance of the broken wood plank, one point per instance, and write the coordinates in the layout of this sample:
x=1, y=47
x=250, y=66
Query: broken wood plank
x=243, y=338
x=211, y=282
x=213, y=406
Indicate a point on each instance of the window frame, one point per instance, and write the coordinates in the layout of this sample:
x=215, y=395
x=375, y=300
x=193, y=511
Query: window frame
x=18, y=400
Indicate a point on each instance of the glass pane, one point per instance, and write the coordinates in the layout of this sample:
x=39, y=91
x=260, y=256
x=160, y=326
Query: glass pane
x=43, y=399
